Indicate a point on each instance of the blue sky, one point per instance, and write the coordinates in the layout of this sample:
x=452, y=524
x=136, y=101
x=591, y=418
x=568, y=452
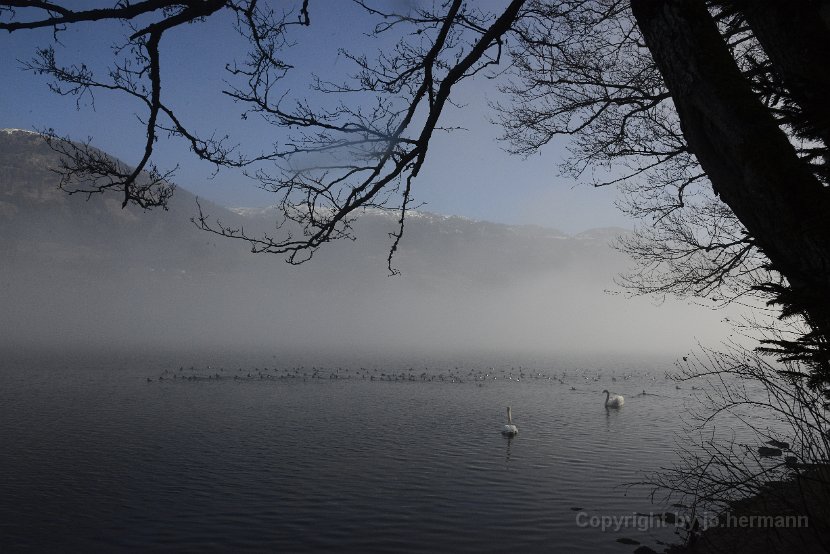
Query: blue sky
x=467, y=172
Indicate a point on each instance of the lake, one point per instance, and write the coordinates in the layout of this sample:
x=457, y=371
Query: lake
x=267, y=452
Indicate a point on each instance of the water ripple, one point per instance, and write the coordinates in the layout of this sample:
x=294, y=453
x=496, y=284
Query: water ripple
x=96, y=458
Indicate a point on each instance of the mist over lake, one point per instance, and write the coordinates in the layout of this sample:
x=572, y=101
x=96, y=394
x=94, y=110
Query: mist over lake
x=161, y=388
x=84, y=271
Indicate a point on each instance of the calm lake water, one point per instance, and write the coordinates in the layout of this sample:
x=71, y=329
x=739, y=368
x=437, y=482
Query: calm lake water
x=93, y=457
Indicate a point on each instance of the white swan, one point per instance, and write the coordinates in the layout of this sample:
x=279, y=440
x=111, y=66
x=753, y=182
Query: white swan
x=613, y=400
x=509, y=429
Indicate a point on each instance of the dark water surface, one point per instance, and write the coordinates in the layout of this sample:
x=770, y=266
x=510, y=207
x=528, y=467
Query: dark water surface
x=95, y=458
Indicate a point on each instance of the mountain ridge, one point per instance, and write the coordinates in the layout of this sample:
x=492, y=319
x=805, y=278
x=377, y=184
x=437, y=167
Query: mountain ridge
x=256, y=212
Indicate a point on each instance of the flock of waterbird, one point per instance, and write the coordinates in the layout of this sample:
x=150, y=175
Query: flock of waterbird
x=302, y=373
x=480, y=377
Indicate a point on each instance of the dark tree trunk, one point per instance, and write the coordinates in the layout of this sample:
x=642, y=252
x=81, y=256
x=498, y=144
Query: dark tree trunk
x=749, y=160
x=796, y=37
